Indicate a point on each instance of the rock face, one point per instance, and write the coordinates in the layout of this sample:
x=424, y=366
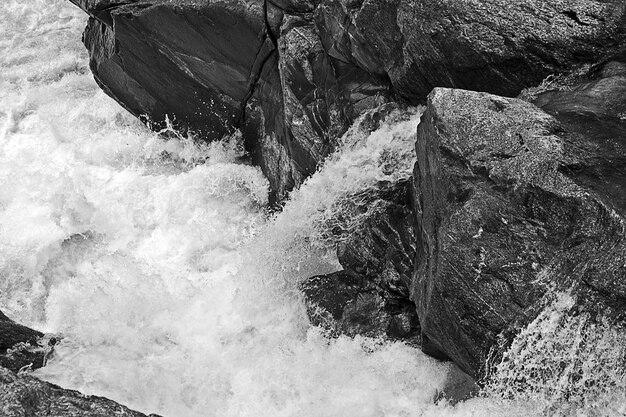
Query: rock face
x=595, y=107
x=24, y=395
x=489, y=45
x=371, y=295
x=293, y=74
x=511, y=205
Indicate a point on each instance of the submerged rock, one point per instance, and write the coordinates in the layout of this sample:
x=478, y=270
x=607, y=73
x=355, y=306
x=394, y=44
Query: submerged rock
x=293, y=75
x=504, y=218
x=25, y=395
x=458, y=386
x=370, y=296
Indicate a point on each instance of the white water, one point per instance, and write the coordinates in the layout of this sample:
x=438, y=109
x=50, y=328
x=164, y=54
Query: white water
x=173, y=289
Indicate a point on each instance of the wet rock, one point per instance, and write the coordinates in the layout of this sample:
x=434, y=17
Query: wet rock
x=346, y=303
x=384, y=244
x=595, y=108
x=25, y=395
x=195, y=77
x=213, y=67
x=496, y=46
x=503, y=219
x=371, y=295
x=22, y=347
x=292, y=75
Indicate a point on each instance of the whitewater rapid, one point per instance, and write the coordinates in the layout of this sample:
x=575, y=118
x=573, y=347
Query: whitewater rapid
x=173, y=287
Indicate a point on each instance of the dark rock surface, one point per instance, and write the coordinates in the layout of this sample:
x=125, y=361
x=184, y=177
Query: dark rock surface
x=25, y=395
x=294, y=74
x=595, y=108
x=371, y=295
x=21, y=346
x=503, y=218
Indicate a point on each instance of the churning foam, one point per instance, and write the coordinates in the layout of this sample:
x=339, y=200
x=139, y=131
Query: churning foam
x=175, y=291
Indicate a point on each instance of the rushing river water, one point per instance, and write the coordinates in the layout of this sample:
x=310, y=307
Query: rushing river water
x=174, y=289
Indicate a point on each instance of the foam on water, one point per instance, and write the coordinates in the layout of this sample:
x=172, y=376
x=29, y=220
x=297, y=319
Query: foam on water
x=567, y=363
x=175, y=291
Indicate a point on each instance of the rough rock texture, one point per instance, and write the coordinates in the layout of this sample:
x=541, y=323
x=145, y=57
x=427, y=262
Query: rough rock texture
x=21, y=346
x=24, y=395
x=498, y=46
x=371, y=295
x=595, y=108
x=504, y=216
x=293, y=74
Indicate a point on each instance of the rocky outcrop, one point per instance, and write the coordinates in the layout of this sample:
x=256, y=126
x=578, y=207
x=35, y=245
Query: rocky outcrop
x=371, y=295
x=496, y=46
x=511, y=205
x=293, y=74
x=25, y=395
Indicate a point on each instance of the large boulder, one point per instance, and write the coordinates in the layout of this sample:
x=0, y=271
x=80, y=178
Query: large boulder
x=512, y=206
x=292, y=75
x=595, y=107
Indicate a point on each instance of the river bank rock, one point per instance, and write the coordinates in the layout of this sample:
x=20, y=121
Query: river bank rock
x=25, y=395
x=22, y=350
x=293, y=75
x=504, y=218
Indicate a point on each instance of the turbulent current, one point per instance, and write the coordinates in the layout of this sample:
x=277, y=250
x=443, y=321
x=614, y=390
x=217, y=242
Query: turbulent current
x=174, y=289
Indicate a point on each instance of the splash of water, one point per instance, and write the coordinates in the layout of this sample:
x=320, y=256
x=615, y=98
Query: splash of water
x=566, y=364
